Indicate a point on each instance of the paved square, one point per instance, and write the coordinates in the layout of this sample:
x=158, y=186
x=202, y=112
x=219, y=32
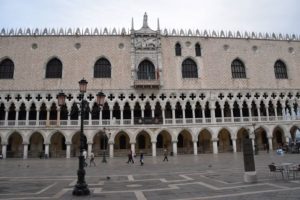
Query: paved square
x=188, y=177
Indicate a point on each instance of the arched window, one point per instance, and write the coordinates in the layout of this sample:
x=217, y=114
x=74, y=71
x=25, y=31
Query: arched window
x=6, y=69
x=177, y=49
x=146, y=70
x=54, y=68
x=198, y=49
x=280, y=70
x=189, y=69
x=238, y=69
x=102, y=68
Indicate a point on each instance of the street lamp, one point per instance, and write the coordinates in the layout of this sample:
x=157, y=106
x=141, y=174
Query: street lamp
x=81, y=188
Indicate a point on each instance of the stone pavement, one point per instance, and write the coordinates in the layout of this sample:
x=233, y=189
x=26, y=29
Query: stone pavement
x=188, y=177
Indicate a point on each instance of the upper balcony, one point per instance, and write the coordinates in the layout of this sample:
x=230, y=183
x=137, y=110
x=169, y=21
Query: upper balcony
x=152, y=83
x=136, y=122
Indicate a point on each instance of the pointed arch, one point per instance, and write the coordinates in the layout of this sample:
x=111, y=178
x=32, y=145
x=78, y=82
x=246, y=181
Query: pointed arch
x=189, y=69
x=280, y=70
x=177, y=49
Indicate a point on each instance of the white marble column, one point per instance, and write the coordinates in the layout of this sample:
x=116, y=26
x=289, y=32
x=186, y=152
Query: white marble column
x=173, y=116
x=17, y=117
x=121, y=116
x=47, y=150
x=249, y=111
x=152, y=113
x=231, y=114
x=183, y=117
x=143, y=113
x=132, y=147
x=4, y=148
x=68, y=150
x=193, y=114
x=69, y=118
x=215, y=146
x=234, y=145
x=25, y=151
x=37, y=117
x=132, y=116
x=241, y=113
x=213, y=114
x=270, y=143
x=195, y=147
x=110, y=116
x=111, y=150
x=6, y=117
x=58, y=117
x=258, y=113
x=27, y=117
x=163, y=116
x=89, y=150
x=267, y=112
x=174, y=148
x=153, y=149
x=203, y=115
x=90, y=118
x=275, y=111
x=222, y=113
x=100, y=117
x=48, y=117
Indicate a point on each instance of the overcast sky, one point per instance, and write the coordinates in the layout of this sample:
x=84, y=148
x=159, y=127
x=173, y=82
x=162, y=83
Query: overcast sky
x=279, y=16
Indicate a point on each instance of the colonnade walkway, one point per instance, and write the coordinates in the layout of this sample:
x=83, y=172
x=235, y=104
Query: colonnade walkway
x=186, y=177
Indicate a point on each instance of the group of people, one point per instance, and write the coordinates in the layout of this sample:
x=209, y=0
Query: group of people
x=92, y=158
x=130, y=157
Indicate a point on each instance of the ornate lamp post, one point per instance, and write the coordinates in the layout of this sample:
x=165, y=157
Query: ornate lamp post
x=81, y=188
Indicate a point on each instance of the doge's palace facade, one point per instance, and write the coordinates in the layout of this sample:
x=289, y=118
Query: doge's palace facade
x=190, y=92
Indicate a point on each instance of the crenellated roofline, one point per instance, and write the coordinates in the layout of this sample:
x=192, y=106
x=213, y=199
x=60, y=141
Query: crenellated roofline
x=165, y=32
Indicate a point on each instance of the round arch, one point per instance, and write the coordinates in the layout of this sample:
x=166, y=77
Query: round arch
x=14, y=145
x=224, y=141
x=242, y=134
x=36, y=145
x=57, y=145
x=143, y=143
x=121, y=143
x=205, y=141
x=184, y=142
x=163, y=141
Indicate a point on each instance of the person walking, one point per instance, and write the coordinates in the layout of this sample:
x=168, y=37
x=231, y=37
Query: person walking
x=84, y=153
x=130, y=158
x=92, y=159
x=165, y=155
x=142, y=159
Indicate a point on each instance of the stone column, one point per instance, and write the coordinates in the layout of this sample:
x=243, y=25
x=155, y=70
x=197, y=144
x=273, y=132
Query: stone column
x=27, y=117
x=163, y=116
x=270, y=143
x=6, y=117
x=4, y=147
x=215, y=146
x=90, y=118
x=132, y=147
x=258, y=113
x=195, y=147
x=69, y=118
x=213, y=114
x=48, y=117
x=173, y=116
x=241, y=113
x=58, y=117
x=183, y=117
x=153, y=149
x=249, y=111
x=143, y=113
x=222, y=113
x=132, y=116
x=110, y=116
x=17, y=118
x=68, y=151
x=121, y=116
x=89, y=150
x=100, y=117
x=234, y=145
x=174, y=148
x=231, y=114
x=267, y=112
x=203, y=115
x=275, y=111
x=152, y=113
x=25, y=152
x=111, y=149
x=193, y=114
x=37, y=117
x=47, y=150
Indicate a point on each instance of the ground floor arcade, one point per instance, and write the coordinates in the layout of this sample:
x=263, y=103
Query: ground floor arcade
x=150, y=141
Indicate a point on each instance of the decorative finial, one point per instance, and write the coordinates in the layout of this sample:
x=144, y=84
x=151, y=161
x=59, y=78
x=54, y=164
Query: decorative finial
x=145, y=22
x=158, y=28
